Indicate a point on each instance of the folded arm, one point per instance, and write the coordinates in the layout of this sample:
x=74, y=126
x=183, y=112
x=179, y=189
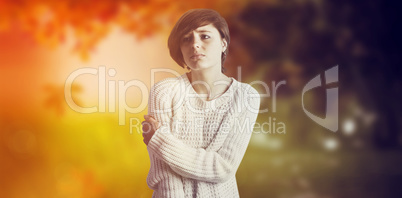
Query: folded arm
x=198, y=163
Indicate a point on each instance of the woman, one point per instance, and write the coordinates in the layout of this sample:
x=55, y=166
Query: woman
x=199, y=124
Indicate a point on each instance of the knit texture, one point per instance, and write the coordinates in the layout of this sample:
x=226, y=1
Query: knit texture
x=200, y=144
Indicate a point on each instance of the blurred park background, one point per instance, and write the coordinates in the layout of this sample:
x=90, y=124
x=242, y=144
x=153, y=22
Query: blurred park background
x=49, y=150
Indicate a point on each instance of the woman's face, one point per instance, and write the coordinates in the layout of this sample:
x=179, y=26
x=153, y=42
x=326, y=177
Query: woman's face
x=202, y=48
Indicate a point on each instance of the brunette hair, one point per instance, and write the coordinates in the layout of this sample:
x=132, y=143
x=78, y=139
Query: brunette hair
x=190, y=21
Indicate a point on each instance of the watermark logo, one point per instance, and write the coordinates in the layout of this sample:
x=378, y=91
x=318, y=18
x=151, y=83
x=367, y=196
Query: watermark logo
x=331, y=111
x=112, y=98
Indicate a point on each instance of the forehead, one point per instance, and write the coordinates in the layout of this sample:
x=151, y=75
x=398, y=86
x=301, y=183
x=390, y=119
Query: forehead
x=205, y=28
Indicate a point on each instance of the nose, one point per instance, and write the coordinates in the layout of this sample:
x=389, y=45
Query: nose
x=196, y=43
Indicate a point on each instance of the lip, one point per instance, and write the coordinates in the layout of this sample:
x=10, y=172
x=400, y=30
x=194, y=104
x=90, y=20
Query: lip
x=197, y=56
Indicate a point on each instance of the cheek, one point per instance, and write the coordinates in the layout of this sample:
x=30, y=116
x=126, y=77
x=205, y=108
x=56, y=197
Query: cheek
x=184, y=51
x=216, y=50
x=217, y=47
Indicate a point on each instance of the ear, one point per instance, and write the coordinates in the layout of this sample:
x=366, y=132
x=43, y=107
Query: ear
x=224, y=45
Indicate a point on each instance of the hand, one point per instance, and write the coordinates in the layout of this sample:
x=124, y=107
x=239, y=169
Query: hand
x=149, y=126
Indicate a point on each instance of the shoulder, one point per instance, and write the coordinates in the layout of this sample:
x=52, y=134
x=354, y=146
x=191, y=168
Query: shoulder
x=162, y=95
x=245, y=90
x=167, y=85
x=246, y=95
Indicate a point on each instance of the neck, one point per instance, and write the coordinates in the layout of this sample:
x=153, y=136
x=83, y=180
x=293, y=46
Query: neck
x=208, y=77
x=210, y=82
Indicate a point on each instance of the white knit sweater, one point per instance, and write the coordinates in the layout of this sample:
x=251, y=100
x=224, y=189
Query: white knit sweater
x=198, y=148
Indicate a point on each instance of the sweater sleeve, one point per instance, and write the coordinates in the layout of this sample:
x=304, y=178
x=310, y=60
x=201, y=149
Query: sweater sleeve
x=201, y=164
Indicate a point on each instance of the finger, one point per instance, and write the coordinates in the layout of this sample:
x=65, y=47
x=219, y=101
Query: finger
x=146, y=141
x=146, y=127
x=156, y=125
x=144, y=134
x=151, y=118
x=153, y=121
x=148, y=118
x=144, y=123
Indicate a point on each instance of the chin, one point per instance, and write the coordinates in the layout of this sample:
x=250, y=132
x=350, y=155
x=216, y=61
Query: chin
x=195, y=67
x=199, y=68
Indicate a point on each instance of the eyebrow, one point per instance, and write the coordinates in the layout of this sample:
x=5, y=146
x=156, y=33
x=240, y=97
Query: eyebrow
x=198, y=31
x=202, y=30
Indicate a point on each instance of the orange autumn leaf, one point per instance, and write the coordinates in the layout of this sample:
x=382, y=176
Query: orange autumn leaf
x=92, y=20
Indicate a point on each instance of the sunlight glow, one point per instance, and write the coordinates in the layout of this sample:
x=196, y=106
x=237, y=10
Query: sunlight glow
x=349, y=127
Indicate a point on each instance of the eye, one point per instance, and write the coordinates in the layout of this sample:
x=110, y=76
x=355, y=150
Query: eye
x=204, y=36
x=186, y=39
